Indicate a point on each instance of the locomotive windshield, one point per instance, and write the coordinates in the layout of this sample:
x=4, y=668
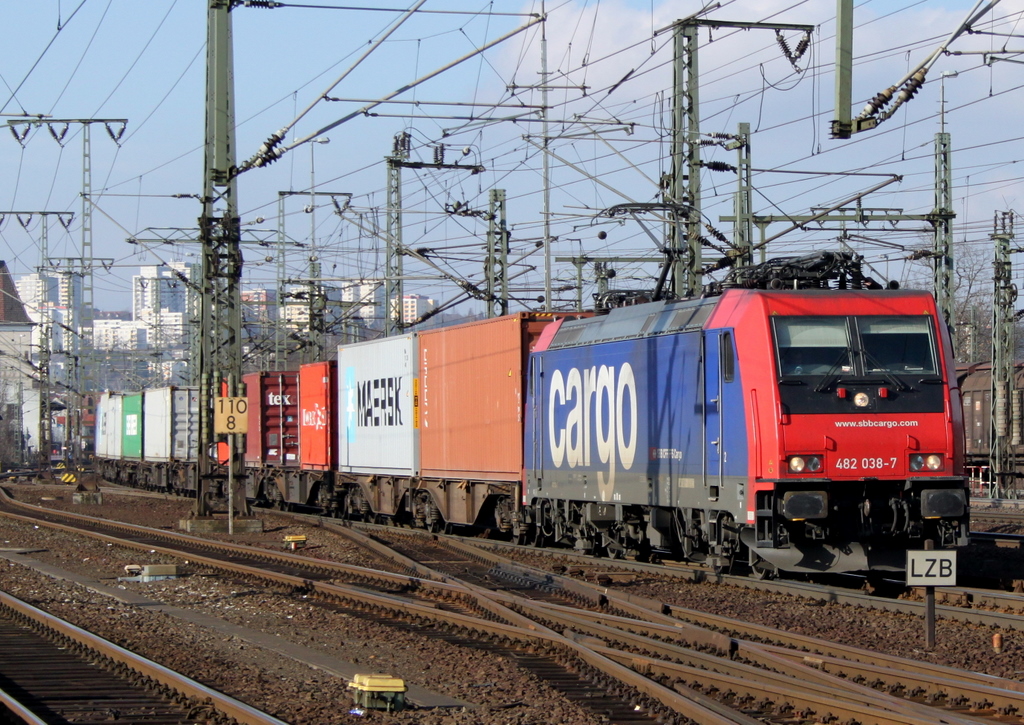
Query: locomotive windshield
x=812, y=345
x=900, y=345
x=855, y=346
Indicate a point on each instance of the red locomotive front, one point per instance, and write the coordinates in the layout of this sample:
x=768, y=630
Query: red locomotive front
x=856, y=428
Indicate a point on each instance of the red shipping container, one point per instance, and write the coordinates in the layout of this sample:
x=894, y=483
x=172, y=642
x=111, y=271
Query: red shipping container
x=471, y=397
x=273, y=437
x=318, y=392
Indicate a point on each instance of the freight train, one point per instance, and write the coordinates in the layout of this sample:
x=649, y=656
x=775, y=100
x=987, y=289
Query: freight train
x=769, y=426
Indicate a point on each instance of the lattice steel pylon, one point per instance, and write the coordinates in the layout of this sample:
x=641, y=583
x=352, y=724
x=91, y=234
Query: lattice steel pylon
x=220, y=348
x=496, y=268
x=942, y=223
x=1001, y=458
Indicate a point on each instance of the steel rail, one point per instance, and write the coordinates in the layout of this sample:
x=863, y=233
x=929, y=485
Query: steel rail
x=803, y=704
x=19, y=710
x=771, y=678
x=177, y=682
x=322, y=567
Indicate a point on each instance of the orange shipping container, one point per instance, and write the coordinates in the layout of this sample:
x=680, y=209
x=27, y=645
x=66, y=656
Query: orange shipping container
x=317, y=395
x=471, y=397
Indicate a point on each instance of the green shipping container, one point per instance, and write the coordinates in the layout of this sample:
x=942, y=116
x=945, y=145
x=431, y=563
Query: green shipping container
x=131, y=427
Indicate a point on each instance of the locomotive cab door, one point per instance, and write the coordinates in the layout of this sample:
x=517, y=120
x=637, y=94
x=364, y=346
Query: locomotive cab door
x=718, y=368
x=535, y=378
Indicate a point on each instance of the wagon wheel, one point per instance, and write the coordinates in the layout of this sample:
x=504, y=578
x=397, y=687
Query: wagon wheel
x=763, y=570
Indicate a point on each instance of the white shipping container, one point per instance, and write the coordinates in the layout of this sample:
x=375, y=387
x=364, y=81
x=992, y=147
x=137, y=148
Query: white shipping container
x=108, y=426
x=171, y=424
x=378, y=419
x=100, y=439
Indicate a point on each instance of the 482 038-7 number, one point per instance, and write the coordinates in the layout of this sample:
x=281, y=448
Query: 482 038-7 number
x=865, y=464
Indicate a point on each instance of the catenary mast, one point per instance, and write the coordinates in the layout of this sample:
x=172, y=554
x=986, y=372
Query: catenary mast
x=220, y=348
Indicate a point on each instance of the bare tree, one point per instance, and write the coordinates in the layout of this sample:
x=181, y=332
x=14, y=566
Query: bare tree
x=972, y=297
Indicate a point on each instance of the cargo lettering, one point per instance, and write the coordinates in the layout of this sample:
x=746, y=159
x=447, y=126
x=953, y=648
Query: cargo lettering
x=315, y=418
x=279, y=399
x=379, y=402
x=599, y=399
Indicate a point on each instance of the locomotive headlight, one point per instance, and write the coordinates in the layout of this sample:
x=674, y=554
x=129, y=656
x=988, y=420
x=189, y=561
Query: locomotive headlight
x=930, y=461
x=861, y=400
x=800, y=464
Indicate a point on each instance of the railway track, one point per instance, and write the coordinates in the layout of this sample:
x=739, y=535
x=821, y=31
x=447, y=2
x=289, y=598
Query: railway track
x=54, y=672
x=752, y=667
x=970, y=605
x=1012, y=516
x=432, y=607
x=651, y=660
x=997, y=605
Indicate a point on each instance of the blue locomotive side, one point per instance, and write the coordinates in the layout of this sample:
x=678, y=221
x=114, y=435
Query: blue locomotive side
x=655, y=421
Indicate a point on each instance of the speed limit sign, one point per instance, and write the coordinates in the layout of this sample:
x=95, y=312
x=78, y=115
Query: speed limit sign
x=229, y=415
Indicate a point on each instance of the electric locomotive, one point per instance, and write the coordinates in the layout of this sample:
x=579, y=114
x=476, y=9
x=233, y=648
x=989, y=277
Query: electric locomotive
x=800, y=430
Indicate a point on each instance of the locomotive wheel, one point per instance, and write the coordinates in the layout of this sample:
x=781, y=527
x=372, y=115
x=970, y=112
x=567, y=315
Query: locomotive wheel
x=764, y=571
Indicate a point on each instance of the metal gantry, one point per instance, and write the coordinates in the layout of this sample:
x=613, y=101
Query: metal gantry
x=683, y=185
x=45, y=326
x=393, y=284
x=393, y=267
x=603, y=271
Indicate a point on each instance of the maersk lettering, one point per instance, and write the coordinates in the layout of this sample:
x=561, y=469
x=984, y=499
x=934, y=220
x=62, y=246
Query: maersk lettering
x=379, y=402
x=599, y=399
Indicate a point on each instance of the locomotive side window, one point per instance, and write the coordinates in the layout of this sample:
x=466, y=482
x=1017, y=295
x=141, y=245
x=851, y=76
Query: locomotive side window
x=812, y=345
x=727, y=357
x=901, y=345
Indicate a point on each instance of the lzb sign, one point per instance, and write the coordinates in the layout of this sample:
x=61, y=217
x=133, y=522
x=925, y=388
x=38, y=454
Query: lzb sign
x=229, y=415
x=931, y=568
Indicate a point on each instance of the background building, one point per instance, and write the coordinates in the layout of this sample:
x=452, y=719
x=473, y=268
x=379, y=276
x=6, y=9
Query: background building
x=19, y=381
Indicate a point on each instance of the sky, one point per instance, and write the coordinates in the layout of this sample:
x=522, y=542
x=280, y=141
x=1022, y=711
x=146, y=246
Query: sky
x=609, y=92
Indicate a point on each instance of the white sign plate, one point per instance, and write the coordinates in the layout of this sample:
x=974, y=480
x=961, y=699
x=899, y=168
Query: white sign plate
x=931, y=568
